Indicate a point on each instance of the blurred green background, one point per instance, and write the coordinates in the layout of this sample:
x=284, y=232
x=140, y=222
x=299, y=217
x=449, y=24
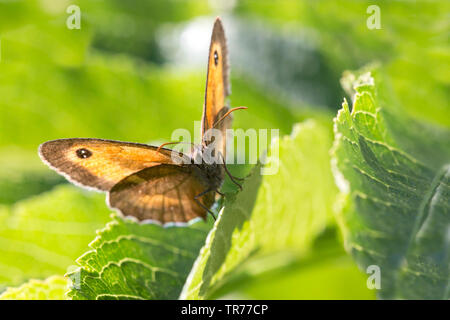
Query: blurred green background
x=136, y=70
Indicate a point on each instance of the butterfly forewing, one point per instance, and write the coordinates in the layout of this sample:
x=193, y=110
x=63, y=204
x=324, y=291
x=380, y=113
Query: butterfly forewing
x=98, y=163
x=217, y=85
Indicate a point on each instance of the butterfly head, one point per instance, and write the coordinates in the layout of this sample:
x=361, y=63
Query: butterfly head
x=206, y=154
x=197, y=154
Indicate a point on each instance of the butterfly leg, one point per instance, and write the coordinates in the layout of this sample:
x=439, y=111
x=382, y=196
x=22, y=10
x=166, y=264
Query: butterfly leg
x=232, y=178
x=242, y=179
x=229, y=174
x=220, y=193
x=202, y=205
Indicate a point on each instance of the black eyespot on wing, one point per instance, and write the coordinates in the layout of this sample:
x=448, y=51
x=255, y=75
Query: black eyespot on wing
x=83, y=153
x=216, y=58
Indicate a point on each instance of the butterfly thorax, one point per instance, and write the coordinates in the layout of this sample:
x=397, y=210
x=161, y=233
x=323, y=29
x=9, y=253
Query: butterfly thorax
x=211, y=169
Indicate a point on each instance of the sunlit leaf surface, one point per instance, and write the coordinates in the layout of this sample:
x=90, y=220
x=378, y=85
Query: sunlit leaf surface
x=398, y=215
x=53, y=288
x=284, y=211
x=129, y=260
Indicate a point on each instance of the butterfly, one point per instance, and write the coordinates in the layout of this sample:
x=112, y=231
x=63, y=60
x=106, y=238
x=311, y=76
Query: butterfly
x=155, y=183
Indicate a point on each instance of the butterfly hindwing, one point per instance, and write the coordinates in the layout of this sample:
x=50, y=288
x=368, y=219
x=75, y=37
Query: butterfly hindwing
x=98, y=163
x=164, y=193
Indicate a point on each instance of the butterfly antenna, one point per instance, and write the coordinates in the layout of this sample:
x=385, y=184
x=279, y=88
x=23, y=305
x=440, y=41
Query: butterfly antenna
x=227, y=114
x=173, y=142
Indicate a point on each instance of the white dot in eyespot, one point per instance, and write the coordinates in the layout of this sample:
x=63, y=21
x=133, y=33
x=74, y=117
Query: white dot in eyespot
x=83, y=153
x=216, y=57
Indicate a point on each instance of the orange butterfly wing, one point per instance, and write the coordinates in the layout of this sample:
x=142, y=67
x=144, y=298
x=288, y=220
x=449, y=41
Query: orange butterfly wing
x=100, y=164
x=164, y=193
x=217, y=86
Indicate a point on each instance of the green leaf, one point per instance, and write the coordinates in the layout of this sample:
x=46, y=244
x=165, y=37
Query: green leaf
x=52, y=288
x=327, y=272
x=395, y=174
x=282, y=212
x=43, y=235
x=129, y=260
